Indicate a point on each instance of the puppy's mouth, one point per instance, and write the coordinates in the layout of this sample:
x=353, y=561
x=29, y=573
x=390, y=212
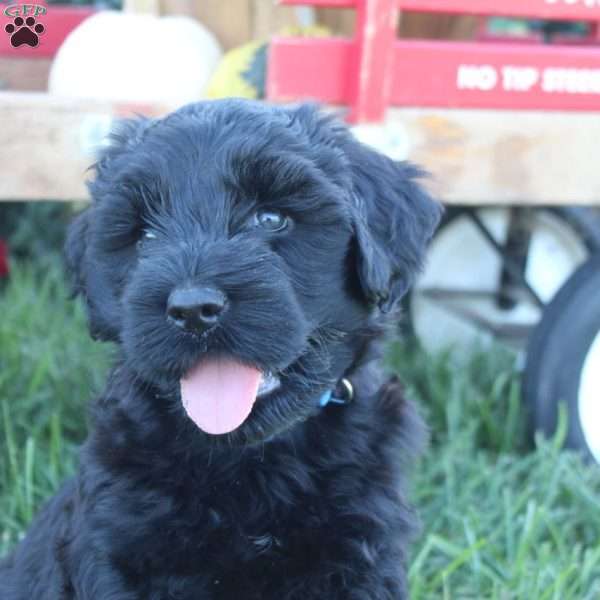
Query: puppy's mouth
x=218, y=394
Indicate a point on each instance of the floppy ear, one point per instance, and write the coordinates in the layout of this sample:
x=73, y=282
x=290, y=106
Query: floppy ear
x=91, y=278
x=87, y=280
x=74, y=250
x=394, y=220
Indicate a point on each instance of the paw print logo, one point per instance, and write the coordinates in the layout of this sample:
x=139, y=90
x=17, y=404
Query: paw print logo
x=24, y=31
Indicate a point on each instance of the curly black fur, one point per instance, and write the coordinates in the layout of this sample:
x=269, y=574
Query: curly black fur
x=299, y=502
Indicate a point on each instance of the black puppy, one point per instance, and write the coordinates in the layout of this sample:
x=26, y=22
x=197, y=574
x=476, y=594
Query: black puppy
x=246, y=259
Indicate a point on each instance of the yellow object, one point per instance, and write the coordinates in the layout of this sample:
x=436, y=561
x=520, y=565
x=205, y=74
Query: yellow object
x=241, y=72
x=228, y=80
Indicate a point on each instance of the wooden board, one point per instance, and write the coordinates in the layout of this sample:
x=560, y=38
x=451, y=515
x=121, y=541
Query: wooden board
x=475, y=157
x=47, y=143
x=235, y=22
x=491, y=157
x=25, y=74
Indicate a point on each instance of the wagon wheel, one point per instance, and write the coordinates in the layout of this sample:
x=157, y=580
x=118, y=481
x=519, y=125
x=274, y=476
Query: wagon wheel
x=491, y=270
x=563, y=362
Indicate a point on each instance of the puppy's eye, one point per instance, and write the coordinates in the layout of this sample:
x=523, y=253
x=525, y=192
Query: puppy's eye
x=270, y=220
x=147, y=236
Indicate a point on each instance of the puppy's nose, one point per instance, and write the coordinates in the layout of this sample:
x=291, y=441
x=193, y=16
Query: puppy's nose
x=195, y=309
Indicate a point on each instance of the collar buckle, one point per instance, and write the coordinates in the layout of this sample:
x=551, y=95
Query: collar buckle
x=342, y=394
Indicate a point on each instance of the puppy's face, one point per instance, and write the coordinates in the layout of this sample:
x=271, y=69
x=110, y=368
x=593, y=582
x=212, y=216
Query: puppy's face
x=239, y=254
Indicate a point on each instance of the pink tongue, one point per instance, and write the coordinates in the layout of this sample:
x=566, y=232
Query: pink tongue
x=218, y=395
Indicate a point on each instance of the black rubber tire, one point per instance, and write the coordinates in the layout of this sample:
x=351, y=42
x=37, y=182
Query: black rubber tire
x=556, y=353
x=585, y=222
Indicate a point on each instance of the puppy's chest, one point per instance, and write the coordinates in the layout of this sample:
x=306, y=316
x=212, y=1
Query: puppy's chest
x=247, y=553
x=275, y=522
x=247, y=528
x=236, y=535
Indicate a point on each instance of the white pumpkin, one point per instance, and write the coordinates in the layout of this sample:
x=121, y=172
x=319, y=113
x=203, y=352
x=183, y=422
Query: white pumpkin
x=136, y=58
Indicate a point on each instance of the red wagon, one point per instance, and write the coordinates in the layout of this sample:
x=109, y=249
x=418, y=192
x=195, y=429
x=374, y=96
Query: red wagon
x=510, y=129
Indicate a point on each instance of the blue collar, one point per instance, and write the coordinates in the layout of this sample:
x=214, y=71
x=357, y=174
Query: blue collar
x=343, y=394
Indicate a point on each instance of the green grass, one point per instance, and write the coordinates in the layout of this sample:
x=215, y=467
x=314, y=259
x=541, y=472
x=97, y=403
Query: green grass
x=500, y=520
x=49, y=368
